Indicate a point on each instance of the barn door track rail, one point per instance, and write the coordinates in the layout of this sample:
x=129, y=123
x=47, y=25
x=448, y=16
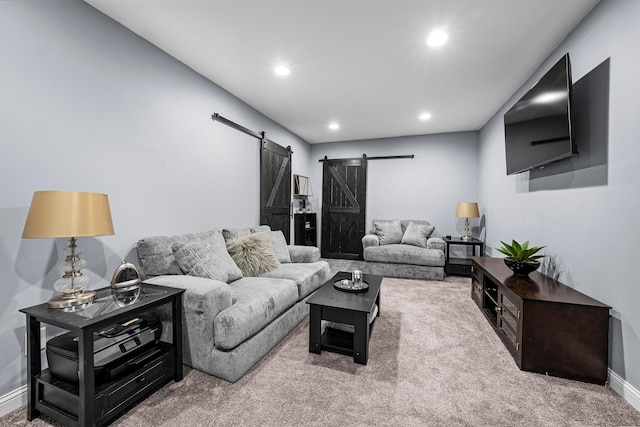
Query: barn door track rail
x=364, y=156
x=259, y=135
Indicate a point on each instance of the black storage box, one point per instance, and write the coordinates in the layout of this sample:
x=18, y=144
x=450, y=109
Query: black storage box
x=113, y=348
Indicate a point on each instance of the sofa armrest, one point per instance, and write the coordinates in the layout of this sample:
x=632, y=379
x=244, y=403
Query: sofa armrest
x=370, y=240
x=304, y=254
x=436, y=243
x=202, y=300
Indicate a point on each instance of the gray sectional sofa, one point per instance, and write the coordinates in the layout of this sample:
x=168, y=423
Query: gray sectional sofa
x=405, y=249
x=230, y=319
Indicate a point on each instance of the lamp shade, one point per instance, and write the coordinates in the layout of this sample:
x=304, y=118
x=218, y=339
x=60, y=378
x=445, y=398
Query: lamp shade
x=54, y=214
x=467, y=210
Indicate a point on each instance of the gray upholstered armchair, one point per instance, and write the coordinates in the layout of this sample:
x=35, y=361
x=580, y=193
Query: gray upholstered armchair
x=404, y=248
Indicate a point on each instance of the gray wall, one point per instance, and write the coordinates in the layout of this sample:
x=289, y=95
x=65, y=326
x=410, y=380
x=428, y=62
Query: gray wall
x=443, y=172
x=86, y=105
x=589, y=224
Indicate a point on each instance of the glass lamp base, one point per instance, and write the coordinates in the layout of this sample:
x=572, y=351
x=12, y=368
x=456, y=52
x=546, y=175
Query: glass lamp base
x=467, y=232
x=72, y=301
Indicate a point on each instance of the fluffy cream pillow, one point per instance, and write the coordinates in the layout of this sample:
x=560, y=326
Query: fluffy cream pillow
x=253, y=254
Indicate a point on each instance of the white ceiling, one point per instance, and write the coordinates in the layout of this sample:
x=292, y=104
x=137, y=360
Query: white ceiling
x=362, y=63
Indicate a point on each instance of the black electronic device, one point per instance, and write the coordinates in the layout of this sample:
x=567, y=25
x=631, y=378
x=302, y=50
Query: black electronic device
x=116, y=349
x=538, y=128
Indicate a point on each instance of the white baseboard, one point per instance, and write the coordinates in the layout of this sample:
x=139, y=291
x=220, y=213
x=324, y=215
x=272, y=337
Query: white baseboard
x=624, y=389
x=13, y=400
x=17, y=398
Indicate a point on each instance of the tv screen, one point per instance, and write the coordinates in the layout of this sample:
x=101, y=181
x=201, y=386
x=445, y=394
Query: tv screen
x=538, y=127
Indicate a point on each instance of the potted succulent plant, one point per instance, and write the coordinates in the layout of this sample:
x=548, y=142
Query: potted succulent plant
x=521, y=258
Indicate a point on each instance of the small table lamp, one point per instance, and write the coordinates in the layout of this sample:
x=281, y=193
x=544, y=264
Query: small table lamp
x=467, y=210
x=55, y=214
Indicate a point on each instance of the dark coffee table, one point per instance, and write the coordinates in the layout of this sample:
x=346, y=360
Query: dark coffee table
x=328, y=303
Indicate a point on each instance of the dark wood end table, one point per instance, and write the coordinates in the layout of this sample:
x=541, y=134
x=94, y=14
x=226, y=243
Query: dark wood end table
x=89, y=402
x=461, y=266
x=328, y=303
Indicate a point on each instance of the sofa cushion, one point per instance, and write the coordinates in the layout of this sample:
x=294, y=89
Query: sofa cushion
x=257, y=301
x=404, y=254
x=260, y=229
x=417, y=234
x=279, y=244
x=235, y=233
x=308, y=276
x=206, y=258
x=156, y=255
x=405, y=223
x=253, y=254
x=304, y=254
x=389, y=232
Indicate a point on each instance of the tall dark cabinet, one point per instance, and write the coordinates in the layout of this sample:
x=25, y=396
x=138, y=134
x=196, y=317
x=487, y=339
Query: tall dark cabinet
x=304, y=229
x=547, y=327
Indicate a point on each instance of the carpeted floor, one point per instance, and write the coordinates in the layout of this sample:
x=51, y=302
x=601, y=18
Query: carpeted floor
x=434, y=361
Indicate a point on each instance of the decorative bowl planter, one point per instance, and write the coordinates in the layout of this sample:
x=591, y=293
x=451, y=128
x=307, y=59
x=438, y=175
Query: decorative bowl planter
x=522, y=268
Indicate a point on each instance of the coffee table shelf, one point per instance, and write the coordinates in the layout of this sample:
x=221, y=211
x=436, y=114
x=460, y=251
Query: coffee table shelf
x=354, y=309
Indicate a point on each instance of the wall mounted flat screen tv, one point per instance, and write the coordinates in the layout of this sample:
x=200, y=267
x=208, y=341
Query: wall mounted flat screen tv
x=538, y=128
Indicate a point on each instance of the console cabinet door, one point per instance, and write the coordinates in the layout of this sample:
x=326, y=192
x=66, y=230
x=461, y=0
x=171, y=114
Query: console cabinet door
x=508, y=323
x=476, y=286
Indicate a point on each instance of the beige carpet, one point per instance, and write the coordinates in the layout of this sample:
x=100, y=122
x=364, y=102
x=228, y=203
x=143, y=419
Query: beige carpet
x=434, y=361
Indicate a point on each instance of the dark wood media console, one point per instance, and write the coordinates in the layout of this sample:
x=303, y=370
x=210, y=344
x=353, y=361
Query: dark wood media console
x=548, y=327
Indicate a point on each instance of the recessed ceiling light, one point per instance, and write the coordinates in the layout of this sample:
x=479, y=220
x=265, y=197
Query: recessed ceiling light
x=334, y=126
x=282, y=70
x=437, y=38
x=424, y=116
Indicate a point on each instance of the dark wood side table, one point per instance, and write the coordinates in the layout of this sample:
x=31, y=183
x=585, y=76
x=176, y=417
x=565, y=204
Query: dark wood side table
x=461, y=266
x=328, y=303
x=90, y=402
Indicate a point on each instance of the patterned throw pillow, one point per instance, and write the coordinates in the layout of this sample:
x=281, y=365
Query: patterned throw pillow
x=388, y=231
x=417, y=234
x=206, y=258
x=157, y=257
x=280, y=246
x=254, y=254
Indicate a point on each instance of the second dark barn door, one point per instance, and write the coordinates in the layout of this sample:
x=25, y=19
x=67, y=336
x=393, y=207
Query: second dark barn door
x=344, y=191
x=275, y=186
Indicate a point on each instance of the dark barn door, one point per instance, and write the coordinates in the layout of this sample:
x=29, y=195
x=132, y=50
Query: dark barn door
x=275, y=186
x=344, y=191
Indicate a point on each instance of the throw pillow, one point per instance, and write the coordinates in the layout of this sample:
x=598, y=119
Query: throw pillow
x=280, y=246
x=260, y=229
x=235, y=233
x=417, y=234
x=207, y=258
x=156, y=256
x=388, y=231
x=254, y=254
